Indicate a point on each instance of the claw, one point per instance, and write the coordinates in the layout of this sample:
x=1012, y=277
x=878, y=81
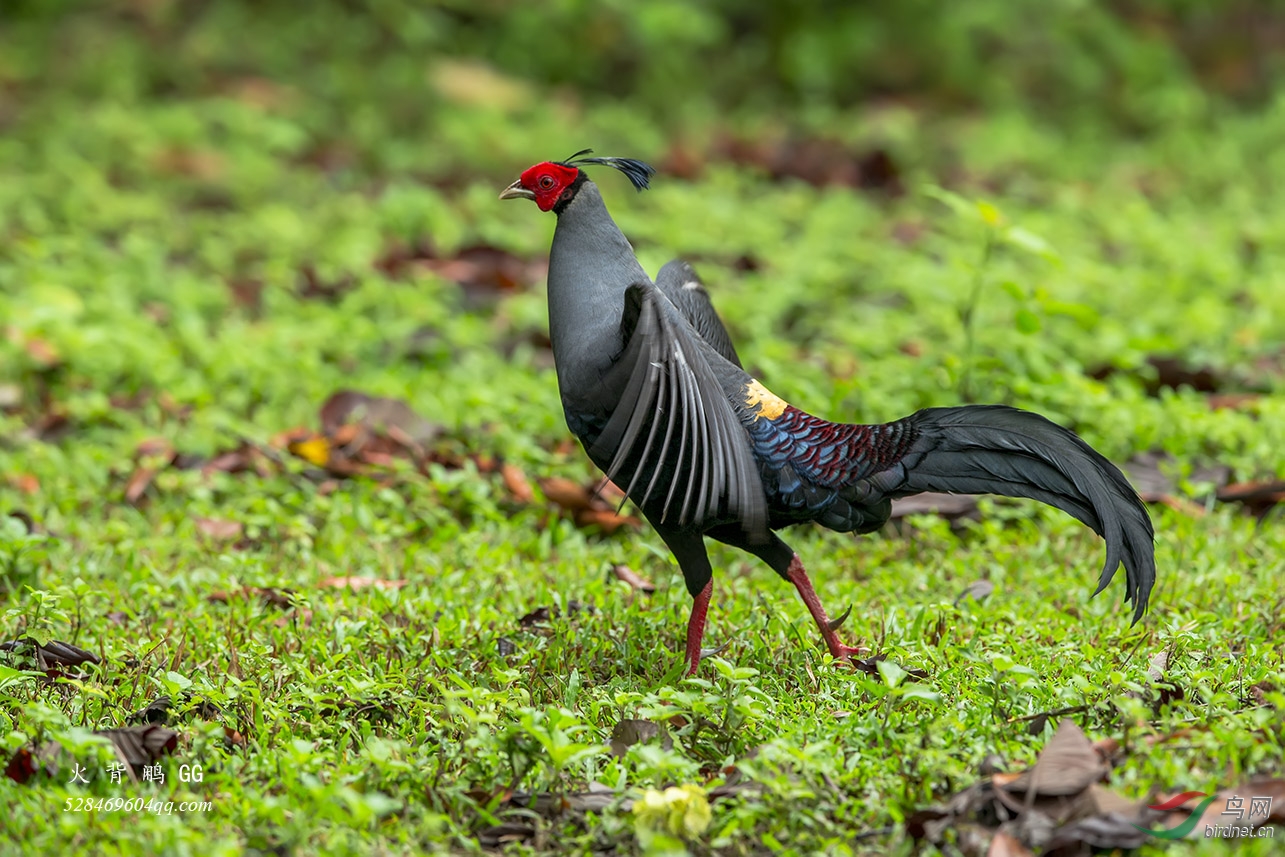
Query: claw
x=709, y=653
x=837, y=622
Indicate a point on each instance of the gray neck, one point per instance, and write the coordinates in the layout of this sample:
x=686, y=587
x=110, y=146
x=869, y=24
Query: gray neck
x=591, y=264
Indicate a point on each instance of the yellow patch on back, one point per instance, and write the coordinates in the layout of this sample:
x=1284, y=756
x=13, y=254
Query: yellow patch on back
x=764, y=401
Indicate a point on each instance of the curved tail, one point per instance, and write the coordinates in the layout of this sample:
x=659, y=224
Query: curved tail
x=995, y=449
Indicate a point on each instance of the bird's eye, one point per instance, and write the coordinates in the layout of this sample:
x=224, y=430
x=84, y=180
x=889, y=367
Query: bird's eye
x=546, y=182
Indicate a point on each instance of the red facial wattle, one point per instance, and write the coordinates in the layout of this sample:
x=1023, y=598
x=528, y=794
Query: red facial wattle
x=547, y=181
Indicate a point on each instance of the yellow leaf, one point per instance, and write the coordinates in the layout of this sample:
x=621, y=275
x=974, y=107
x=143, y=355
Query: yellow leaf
x=990, y=214
x=315, y=450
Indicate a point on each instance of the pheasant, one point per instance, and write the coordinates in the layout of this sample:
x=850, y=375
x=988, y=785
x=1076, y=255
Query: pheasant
x=652, y=386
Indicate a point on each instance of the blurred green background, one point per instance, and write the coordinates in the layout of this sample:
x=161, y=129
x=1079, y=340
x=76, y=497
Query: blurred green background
x=216, y=213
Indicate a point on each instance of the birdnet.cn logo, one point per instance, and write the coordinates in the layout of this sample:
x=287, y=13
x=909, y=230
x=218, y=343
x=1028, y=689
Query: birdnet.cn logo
x=1242, y=822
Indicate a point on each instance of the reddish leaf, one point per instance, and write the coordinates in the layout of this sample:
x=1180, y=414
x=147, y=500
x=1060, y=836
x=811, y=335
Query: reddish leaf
x=138, y=484
x=1006, y=845
x=516, y=483
x=25, y=482
x=605, y=519
x=219, y=530
x=570, y=495
x=21, y=767
x=634, y=579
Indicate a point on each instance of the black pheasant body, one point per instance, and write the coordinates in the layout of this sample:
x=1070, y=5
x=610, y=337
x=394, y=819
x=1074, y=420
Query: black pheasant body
x=653, y=387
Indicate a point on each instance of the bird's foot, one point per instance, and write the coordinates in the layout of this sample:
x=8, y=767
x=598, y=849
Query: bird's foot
x=799, y=577
x=696, y=629
x=840, y=652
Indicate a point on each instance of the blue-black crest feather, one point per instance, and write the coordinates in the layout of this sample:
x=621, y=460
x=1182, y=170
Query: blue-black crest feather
x=638, y=172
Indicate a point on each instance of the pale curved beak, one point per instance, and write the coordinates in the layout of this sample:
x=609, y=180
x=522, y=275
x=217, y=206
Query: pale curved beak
x=516, y=191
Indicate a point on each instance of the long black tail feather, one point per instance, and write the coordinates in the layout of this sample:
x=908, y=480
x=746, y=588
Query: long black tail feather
x=994, y=449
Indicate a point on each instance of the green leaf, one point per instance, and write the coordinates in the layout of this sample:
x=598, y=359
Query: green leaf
x=1027, y=321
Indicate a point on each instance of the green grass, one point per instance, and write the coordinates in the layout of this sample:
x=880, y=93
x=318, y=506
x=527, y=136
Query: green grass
x=140, y=195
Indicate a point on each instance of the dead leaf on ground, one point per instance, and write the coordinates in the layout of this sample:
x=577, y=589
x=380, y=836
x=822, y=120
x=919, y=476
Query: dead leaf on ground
x=482, y=272
x=1066, y=766
x=1233, y=401
x=635, y=580
x=26, y=483
x=139, y=481
x=51, y=657
x=516, y=483
x=1006, y=845
x=538, y=616
x=357, y=583
x=607, y=520
x=219, y=530
x=314, y=286
x=244, y=457
x=1258, y=497
x=350, y=407
x=268, y=595
x=202, y=164
x=1165, y=372
x=28, y=522
x=1058, y=806
x=566, y=493
x=21, y=766
x=952, y=507
x=543, y=615
x=590, y=504
x=978, y=590
x=627, y=733
x=141, y=745
x=818, y=161
x=870, y=666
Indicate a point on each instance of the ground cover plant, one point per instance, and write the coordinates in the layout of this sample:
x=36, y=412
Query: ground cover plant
x=290, y=516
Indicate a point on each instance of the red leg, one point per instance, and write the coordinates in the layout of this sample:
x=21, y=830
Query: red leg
x=799, y=577
x=696, y=627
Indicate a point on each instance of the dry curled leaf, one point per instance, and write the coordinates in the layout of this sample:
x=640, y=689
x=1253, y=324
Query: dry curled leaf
x=141, y=745
x=50, y=656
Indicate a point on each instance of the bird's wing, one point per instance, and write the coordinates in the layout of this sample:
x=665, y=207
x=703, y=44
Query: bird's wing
x=686, y=291
x=674, y=440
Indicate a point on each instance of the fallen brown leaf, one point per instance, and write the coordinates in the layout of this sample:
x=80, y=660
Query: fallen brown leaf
x=627, y=733
x=570, y=495
x=516, y=483
x=51, y=655
x=138, y=484
x=357, y=583
x=141, y=745
x=220, y=530
x=636, y=581
x=605, y=519
x=25, y=482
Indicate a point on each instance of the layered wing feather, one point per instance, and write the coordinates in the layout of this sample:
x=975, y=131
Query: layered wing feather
x=686, y=291
x=674, y=441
